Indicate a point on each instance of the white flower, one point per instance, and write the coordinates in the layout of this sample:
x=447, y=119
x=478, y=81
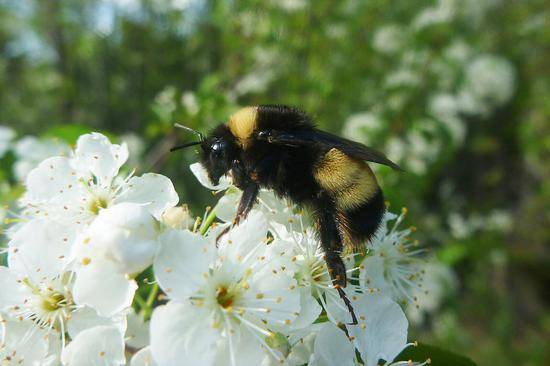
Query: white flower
x=36, y=290
x=177, y=217
x=235, y=297
x=307, y=259
x=443, y=12
x=6, y=135
x=254, y=82
x=74, y=190
x=393, y=265
x=30, y=151
x=291, y=5
x=388, y=39
x=458, y=51
x=120, y=243
x=136, y=148
x=445, y=108
x=100, y=345
x=402, y=77
x=489, y=83
x=189, y=101
x=381, y=332
x=124, y=234
x=436, y=281
x=362, y=126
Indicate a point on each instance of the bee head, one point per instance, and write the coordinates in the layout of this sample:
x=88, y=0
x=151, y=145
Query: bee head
x=218, y=151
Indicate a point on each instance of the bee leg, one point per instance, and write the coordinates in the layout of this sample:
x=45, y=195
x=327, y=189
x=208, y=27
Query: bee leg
x=250, y=193
x=332, y=245
x=337, y=270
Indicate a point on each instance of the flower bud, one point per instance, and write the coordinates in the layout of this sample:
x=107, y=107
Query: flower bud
x=177, y=217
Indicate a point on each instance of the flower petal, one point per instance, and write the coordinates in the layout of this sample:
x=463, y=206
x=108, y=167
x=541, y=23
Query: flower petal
x=143, y=358
x=24, y=343
x=14, y=292
x=96, y=154
x=202, y=176
x=85, y=318
x=371, y=274
x=310, y=309
x=246, y=350
x=226, y=208
x=332, y=347
x=124, y=234
x=182, y=332
x=49, y=178
x=137, y=334
x=302, y=350
x=41, y=248
x=153, y=190
x=382, y=329
x=101, y=345
x=244, y=238
x=101, y=287
x=181, y=262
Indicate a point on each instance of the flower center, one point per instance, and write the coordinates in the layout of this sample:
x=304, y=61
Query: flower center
x=224, y=297
x=97, y=205
x=53, y=301
x=48, y=307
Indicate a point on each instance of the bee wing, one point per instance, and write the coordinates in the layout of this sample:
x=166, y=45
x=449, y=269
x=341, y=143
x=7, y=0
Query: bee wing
x=321, y=139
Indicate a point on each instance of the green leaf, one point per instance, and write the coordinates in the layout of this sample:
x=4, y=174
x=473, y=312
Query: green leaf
x=438, y=356
x=452, y=253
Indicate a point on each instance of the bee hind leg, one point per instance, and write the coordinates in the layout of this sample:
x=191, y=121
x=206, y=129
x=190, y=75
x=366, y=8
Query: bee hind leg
x=332, y=245
x=337, y=270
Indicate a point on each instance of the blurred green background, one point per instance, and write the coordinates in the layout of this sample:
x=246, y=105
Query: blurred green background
x=457, y=92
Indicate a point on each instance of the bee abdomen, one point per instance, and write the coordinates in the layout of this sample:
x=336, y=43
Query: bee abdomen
x=358, y=200
x=349, y=181
x=358, y=225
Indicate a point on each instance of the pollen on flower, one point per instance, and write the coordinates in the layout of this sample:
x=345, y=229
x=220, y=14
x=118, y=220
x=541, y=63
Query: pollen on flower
x=97, y=205
x=224, y=298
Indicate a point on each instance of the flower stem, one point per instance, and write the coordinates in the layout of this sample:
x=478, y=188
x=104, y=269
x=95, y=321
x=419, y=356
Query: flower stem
x=152, y=295
x=209, y=220
x=147, y=308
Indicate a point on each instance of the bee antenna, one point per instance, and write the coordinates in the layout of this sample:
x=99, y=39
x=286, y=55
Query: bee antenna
x=183, y=146
x=188, y=129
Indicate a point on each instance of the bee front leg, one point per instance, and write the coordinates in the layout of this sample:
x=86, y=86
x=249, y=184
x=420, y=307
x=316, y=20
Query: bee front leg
x=250, y=194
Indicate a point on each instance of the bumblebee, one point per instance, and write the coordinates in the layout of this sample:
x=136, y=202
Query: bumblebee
x=279, y=148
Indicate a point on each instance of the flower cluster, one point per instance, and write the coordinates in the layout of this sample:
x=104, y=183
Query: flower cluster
x=261, y=295
x=83, y=233
x=447, y=80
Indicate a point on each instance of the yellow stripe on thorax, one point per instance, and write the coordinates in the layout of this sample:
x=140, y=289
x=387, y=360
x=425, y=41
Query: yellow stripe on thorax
x=349, y=181
x=242, y=124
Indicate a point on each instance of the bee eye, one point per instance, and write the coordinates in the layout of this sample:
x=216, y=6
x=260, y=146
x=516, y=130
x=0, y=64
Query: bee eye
x=218, y=147
x=264, y=135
